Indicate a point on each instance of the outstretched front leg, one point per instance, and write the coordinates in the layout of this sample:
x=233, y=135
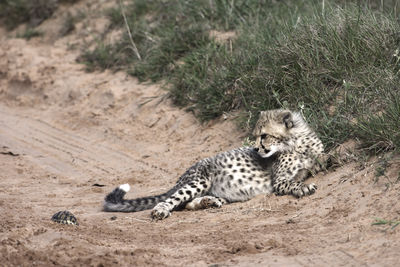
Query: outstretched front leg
x=185, y=193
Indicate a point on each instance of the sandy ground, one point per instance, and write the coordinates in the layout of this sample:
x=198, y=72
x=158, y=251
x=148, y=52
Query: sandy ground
x=63, y=132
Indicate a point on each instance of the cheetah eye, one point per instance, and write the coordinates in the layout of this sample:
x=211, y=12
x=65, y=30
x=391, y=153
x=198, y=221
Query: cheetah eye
x=263, y=136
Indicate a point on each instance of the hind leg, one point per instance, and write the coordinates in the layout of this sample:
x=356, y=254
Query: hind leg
x=184, y=194
x=205, y=203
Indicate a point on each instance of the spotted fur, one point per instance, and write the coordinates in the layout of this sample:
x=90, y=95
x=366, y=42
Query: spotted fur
x=283, y=156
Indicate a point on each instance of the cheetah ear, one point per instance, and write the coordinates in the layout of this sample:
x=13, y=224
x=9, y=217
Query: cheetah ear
x=287, y=119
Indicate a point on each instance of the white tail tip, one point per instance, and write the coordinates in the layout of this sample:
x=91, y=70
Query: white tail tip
x=125, y=187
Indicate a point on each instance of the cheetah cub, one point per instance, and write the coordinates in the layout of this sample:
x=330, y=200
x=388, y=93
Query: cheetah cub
x=285, y=153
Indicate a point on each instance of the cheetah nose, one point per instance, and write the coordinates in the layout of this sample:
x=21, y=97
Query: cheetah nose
x=256, y=149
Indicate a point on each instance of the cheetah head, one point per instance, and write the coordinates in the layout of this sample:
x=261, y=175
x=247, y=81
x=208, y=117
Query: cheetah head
x=275, y=131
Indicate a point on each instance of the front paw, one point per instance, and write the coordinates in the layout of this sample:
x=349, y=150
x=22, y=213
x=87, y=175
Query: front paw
x=160, y=212
x=210, y=202
x=305, y=190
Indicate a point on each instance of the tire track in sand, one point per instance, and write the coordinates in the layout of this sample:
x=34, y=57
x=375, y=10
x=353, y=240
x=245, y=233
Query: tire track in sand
x=59, y=151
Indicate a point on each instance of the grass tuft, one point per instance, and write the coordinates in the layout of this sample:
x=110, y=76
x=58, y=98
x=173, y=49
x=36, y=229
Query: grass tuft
x=380, y=132
x=29, y=33
x=338, y=63
x=33, y=12
x=391, y=223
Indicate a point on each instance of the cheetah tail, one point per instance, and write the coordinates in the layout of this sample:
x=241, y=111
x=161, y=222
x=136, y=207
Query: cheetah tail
x=115, y=201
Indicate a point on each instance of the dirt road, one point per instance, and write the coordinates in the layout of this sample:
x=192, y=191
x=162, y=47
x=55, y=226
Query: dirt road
x=64, y=132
